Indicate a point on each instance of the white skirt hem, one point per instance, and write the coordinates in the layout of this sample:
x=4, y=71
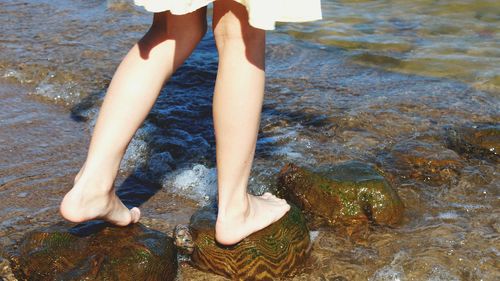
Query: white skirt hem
x=262, y=14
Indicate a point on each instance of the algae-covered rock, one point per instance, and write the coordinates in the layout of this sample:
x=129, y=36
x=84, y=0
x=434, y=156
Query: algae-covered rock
x=349, y=193
x=480, y=140
x=276, y=251
x=112, y=253
x=423, y=161
x=5, y=269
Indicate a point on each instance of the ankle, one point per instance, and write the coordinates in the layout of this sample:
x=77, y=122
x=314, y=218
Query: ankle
x=106, y=165
x=95, y=183
x=236, y=208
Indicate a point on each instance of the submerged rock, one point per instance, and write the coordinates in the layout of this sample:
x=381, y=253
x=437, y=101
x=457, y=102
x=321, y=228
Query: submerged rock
x=112, y=253
x=276, y=251
x=419, y=160
x=476, y=141
x=349, y=194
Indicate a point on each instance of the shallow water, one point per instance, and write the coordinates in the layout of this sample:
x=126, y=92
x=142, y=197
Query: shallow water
x=452, y=39
x=330, y=97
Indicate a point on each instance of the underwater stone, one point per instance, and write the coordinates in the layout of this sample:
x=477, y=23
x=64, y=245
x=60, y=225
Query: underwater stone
x=480, y=140
x=351, y=193
x=127, y=253
x=276, y=251
x=424, y=161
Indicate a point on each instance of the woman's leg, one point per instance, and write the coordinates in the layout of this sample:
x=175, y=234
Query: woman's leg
x=130, y=96
x=239, y=92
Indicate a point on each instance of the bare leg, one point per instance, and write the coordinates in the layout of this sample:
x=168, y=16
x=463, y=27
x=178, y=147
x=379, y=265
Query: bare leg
x=239, y=92
x=131, y=95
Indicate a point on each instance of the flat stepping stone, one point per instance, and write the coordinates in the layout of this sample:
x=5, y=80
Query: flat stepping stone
x=127, y=253
x=351, y=193
x=276, y=251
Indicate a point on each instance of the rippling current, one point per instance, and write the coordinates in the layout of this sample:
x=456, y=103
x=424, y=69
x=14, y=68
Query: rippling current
x=373, y=80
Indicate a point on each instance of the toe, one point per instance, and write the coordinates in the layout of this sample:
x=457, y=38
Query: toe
x=135, y=214
x=287, y=208
x=119, y=214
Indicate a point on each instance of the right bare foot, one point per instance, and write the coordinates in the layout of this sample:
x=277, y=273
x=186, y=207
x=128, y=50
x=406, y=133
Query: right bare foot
x=85, y=201
x=256, y=213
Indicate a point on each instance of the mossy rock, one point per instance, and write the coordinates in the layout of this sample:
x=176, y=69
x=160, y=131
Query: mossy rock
x=481, y=140
x=276, y=251
x=60, y=252
x=351, y=193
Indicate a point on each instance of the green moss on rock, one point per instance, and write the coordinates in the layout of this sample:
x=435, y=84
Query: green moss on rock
x=349, y=193
x=112, y=253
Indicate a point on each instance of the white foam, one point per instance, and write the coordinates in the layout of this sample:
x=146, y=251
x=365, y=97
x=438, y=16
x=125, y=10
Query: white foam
x=138, y=148
x=134, y=155
x=198, y=183
x=66, y=92
x=286, y=142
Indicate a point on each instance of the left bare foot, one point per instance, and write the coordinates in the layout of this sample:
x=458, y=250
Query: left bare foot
x=86, y=201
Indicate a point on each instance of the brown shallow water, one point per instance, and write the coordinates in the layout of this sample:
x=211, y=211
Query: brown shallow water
x=321, y=108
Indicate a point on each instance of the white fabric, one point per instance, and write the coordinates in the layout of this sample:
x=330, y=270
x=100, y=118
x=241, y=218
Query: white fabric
x=262, y=14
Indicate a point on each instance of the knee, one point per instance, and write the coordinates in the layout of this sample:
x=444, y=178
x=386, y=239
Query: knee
x=238, y=38
x=231, y=27
x=227, y=32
